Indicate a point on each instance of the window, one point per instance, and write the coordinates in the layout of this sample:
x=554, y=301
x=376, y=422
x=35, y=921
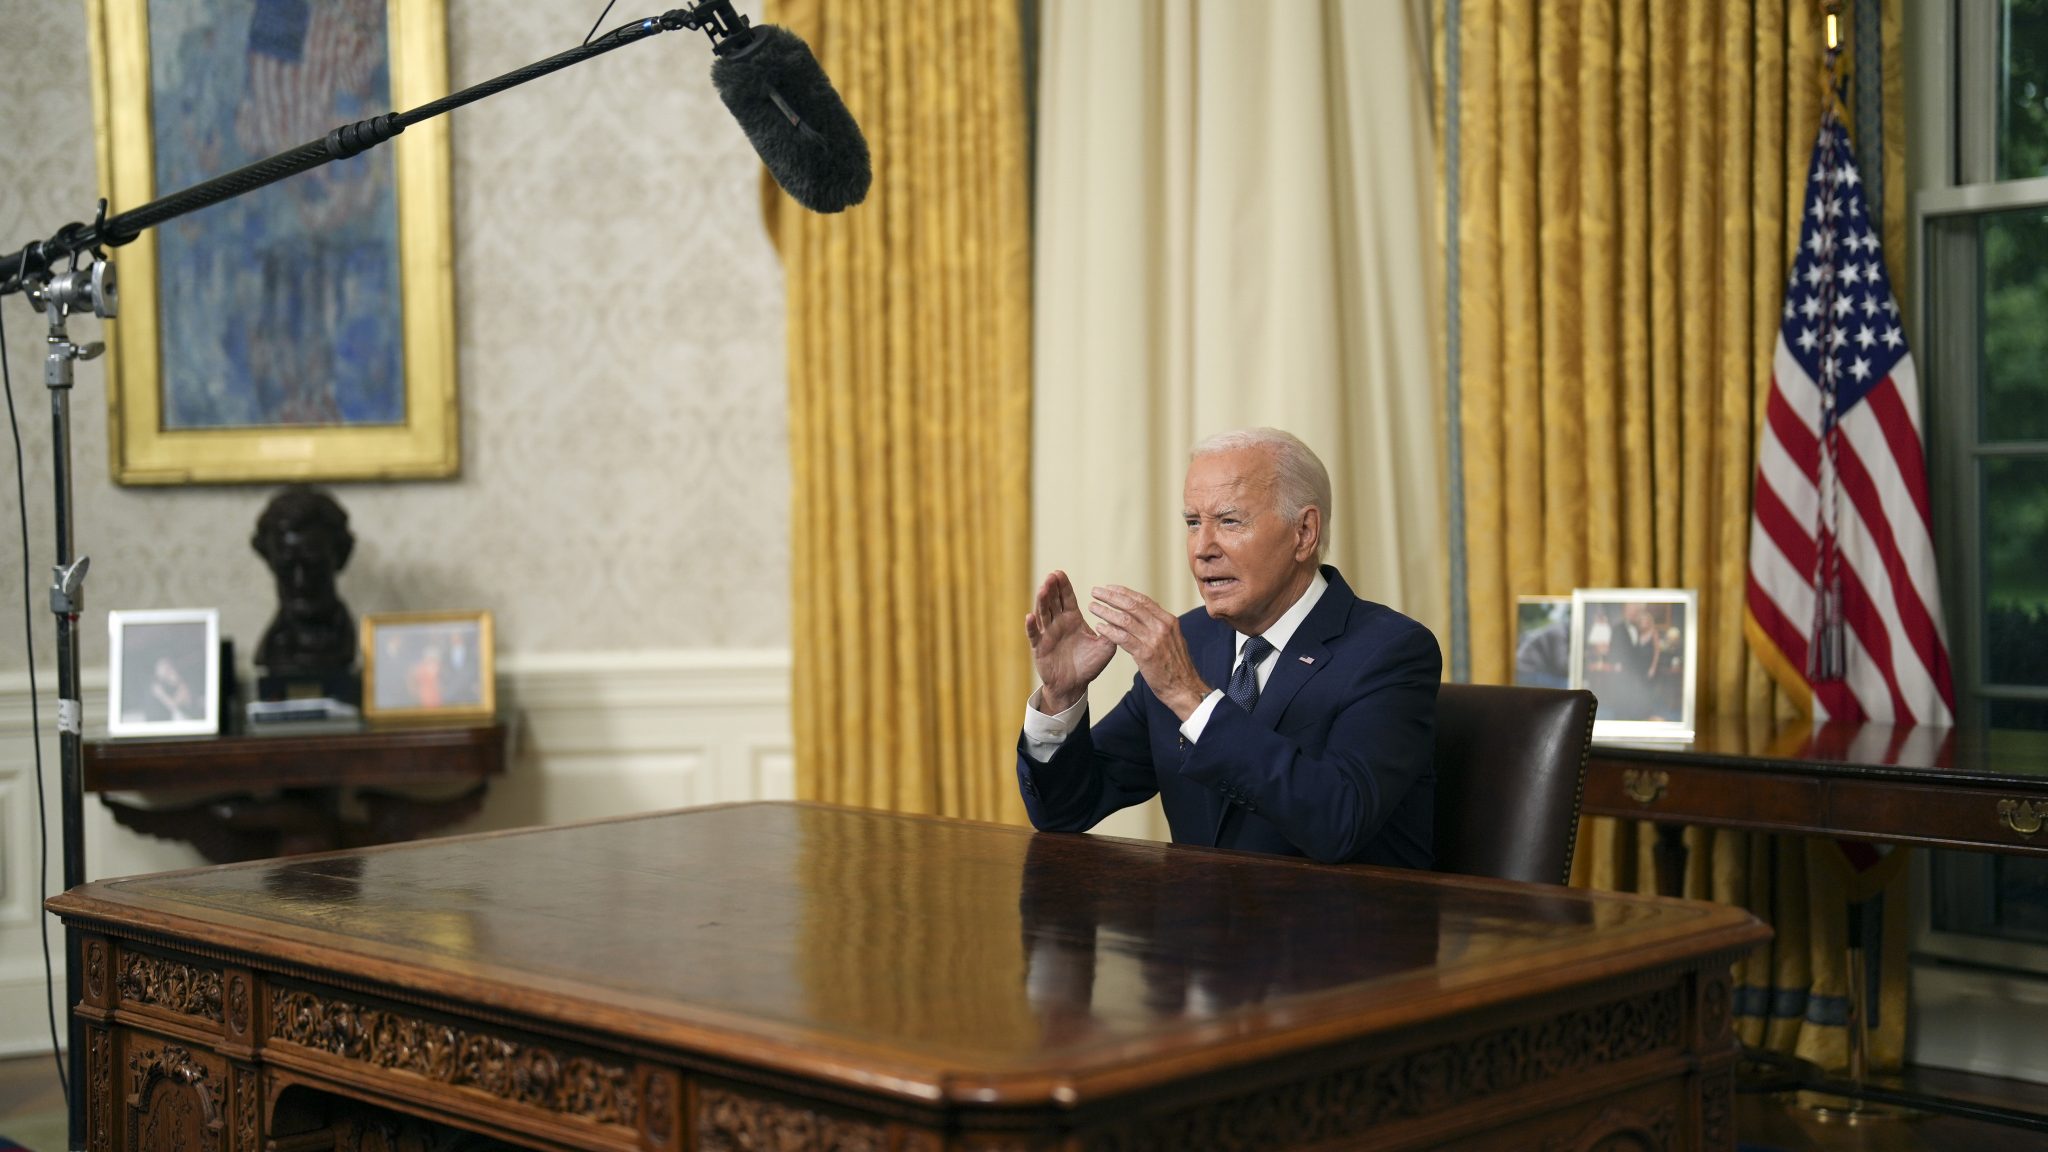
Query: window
x=2022, y=32
x=1984, y=324
x=1979, y=151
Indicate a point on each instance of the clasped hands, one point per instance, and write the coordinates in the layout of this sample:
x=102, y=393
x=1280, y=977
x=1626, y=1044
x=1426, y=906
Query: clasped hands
x=1069, y=654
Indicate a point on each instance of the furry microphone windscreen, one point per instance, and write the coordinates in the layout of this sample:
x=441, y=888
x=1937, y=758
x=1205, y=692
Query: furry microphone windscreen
x=795, y=119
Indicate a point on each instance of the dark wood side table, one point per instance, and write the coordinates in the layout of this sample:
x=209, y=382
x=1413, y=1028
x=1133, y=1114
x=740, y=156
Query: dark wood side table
x=1975, y=789
x=1967, y=788
x=249, y=797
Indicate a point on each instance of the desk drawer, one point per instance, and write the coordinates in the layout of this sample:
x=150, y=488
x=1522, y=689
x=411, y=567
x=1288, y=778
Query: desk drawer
x=1702, y=795
x=153, y=1092
x=1982, y=819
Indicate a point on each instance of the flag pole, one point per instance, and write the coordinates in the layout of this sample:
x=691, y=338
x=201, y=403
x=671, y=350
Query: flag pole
x=1827, y=654
x=1828, y=660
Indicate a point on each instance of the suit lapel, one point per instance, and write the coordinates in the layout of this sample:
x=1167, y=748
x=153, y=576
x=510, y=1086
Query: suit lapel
x=1307, y=652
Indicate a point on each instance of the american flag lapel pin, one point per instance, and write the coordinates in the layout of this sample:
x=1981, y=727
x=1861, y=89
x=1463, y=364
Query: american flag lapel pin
x=1308, y=659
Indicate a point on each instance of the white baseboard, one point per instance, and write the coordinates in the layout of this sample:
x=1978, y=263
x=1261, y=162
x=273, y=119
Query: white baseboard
x=24, y=1022
x=595, y=734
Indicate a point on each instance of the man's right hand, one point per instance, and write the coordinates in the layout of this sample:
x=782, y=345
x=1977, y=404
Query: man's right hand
x=1067, y=652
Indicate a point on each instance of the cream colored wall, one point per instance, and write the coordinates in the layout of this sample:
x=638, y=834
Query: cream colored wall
x=625, y=480
x=622, y=507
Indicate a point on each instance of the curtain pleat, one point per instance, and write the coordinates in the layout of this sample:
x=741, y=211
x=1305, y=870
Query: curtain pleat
x=1629, y=184
x=1603, y=99
x=909, y=416
x=1560, y=425
x=1482, y=409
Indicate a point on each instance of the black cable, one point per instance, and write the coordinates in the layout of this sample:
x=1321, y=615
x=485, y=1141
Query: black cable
x=600, y=20
x=35, y=720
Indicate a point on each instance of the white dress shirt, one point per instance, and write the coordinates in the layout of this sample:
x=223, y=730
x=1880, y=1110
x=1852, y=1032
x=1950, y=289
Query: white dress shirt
x=1044, y=734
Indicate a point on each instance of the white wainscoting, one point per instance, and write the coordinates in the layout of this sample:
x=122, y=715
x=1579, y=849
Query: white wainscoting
x=596, y=734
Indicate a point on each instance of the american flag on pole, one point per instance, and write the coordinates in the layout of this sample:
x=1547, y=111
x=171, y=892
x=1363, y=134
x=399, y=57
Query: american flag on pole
x=1843, y=603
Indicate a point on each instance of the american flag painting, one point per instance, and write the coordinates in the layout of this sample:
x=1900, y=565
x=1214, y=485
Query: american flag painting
x=301, y=55
x=1844, y=606
x=280, y=309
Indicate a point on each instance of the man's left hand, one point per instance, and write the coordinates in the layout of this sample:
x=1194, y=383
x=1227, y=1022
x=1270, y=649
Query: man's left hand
x=1137, y=624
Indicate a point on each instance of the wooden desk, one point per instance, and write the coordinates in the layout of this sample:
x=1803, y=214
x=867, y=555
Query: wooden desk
x=782, y=976
x=246, y=797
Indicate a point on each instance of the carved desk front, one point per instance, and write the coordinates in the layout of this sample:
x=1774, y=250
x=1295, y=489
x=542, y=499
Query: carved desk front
x=783, y=976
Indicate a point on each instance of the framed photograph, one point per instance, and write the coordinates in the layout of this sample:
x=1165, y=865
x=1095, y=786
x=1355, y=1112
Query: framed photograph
x=1543, y=641
x=428, y=666
x=1636, y=649
x=163, y=672
x=304, y=331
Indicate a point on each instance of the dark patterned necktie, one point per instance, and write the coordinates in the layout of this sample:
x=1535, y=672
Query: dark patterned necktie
x=1244, y=682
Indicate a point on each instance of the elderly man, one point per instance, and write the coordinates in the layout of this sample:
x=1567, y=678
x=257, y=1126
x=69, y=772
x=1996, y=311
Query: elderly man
x=1287, y=715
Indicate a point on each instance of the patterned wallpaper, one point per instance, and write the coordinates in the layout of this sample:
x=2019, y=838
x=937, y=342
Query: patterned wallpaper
x=625, y=475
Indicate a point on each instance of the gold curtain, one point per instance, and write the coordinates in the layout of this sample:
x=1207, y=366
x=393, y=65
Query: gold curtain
x=1628, y=195
x=909, y=416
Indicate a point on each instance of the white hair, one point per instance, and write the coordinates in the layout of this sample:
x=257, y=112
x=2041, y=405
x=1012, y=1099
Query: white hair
x=1299, y=478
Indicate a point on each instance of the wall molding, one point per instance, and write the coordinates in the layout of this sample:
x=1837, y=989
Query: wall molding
x=594, y=734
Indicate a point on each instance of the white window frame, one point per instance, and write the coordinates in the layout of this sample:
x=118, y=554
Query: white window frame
x=1953, y=126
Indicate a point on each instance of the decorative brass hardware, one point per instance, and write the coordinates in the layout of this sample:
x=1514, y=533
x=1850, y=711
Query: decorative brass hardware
x=1644, y=786
x=2023, y=816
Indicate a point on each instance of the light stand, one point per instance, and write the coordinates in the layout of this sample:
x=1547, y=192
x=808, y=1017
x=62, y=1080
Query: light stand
x=90, y=287
x=93, y=286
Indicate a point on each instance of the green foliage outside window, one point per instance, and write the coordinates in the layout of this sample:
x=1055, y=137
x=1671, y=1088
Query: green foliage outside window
x=2013, y=381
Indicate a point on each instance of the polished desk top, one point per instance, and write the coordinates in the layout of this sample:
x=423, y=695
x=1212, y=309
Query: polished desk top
x=937, y=960
x=1922, y=754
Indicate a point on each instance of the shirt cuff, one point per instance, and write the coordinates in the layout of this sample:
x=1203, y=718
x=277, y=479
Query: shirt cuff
x=1199, y=718
x=1044, y=734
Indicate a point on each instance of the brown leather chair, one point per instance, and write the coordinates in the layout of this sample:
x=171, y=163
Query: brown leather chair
x=1509, y=766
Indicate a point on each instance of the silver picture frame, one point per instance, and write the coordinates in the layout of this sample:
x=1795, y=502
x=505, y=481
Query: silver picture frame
x=1637, y=649
x=163, y=672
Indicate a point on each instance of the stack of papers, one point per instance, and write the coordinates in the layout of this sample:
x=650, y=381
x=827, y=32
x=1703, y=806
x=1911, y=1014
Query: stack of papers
x=324, y=711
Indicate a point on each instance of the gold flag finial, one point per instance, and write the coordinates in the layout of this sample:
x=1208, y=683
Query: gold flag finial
x=1833, y=10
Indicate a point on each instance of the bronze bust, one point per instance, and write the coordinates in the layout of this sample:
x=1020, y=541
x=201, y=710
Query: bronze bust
x=303, y=535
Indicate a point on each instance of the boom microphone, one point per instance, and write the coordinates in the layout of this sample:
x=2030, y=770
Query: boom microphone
x=793, y=117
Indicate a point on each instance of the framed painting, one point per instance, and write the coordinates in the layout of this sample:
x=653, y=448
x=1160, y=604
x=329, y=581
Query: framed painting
x=304, y=331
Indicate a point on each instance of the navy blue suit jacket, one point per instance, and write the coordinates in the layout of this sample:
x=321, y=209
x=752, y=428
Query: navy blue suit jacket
x=1337, y=761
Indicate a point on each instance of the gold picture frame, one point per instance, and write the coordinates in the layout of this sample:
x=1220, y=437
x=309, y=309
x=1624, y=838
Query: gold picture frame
x=425, y=442
x=429, y=666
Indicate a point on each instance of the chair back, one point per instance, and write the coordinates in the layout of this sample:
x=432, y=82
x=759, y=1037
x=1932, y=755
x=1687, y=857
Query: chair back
x=1510, y=763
